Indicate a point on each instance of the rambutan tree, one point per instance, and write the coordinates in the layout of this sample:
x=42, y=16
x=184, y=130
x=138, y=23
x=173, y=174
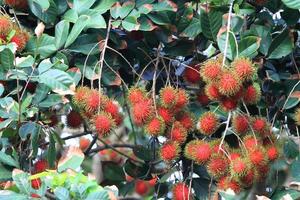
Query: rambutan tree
x=149, y=99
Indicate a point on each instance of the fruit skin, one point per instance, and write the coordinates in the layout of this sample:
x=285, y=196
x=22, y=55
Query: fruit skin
x=192, y=75
x=228, y=183
x=250, y=141
x=203, y=99
x=228, y=104
x=20, y=39
x=103, y=123
x=141, y=187
x=272, y=153
x=239, y=167
x=198, y=151
x=80, y=96
x=181, y=192
x=84, y=143
x=208, y=123
x=170, y=151
x=40, y=166
x=153, y=181
x=243, y=68
x=5, y=26
x=74, y=120
x=166, y=114
x=33, y=195
x=240, y=124
x=186, y=120
x=212, y=91
x=36, y=183
x=168, y=96
x=257, y=156
x=142, y=112
x=156, y=126
x=229, y=84
x=178, y=133
x=252, y=94
x=92, y=100
x=211, y=71
x=182, y=99
x=217, y=166
x=136, y=95
x=260, y=125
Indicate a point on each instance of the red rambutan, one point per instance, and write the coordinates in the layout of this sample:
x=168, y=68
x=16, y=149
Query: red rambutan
x=257, y=156
x=211, y=71
x=40, y=166
x=272, y=153
x=228, y=84
x=142, y=111
x=228, y=104
x=182, y=99
x=239, y=167
x=153, y=181
x=215, y=145
x=192, y=75
x=252, y=94
x=178, y=133
x=136, y=95
x=17, y=4
x=166, y=114
x=228, y=183
x=248, y=179
x=250, y=141
x=20, y=39
x=212, y=91
x=217, y=166
x=181, y=191
x=259, y=124
x=198, y=150
x=118, y=119
x=141, y=187
x=169, y=151
x=202, y=98
x=168, y=96
x=243, y=67
x=103, y=123
x=5, y=26
x=111, y=107
x=233, y=154
x=80, y=96
x=240, y=124
x=156, y=126
x=186, y=120
x=36, y=183
x=208, y=123
x=74, y=119
x=84, y=143
x=92, y=100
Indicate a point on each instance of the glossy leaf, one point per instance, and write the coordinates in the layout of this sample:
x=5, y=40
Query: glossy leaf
x=79, y=25
x=61, y=33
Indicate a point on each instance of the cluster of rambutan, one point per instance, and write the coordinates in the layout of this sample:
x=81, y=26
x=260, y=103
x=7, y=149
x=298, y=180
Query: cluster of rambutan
x=17, y=4
x=170, y=119
x=10, y=32
x=230, y=85
x=103, y=112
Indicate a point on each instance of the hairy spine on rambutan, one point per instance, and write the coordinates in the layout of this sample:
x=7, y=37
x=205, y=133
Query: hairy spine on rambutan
x=136, y=95
x=229, y=84
x=257, y=156
x=227, y=182
x=178, y=133
x=198, y=151
x=181, y=192
x=40, y=166
x=217, y=166
x=17, y=4
x=168, y=96
x=192, y=75
x=240, y=124
x=250, y=141
x=103, y=123
x=211, y=71
x=93, y=100
x=170, y=151
x=166, y=114
x=249, y=178
x=252, y=94
x=239, y=167
x=74, y=120
x=243, y=67
x=20, y=39
x=260, y=125
x=202, y=98
x=208, y=123
x=110, y=106
x=182, y=99
x=215, y=146
x=5, y=26
x=234, y=154
x=212, y=91
x=80, y=95
x=228, y=104
x=186, y=119
x=155, y=126
x=142, y=112
x=272, y=152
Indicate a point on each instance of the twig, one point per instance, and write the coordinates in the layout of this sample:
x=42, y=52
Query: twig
x=290, y=94
x=224, y=135
x=154, y=78
x=87, y=151
x=227, y=32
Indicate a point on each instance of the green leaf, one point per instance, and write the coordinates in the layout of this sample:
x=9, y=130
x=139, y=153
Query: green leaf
x=130, y=23
x=59, y=81
x=264, y=33
x=29, y=128
x=10, y=195
x=51, y=154
x=5, y=174
x=294, y=4
x=61, y=33
x=44, y=66
x=290, y=149
x=72, y=159
x=193, y=29
x=281, y=46
x=145, y=8
x=291, y=103
x=211, y=23
x=134, y=170
x=143, y=153
x=7, y=59
x=104, y=5
x=86, y=44
x=71, y=16
x=21, y=179
x=231, y=47
x=24, y=62
x=248, y=46
x=103, y=195
x=75, y=73
x=82, y=5
x=96, y=19
x=146, y=24
x=126, y=8
x=48, y=16
x=77, y=28
x=43, y=46
x=286, y=194
x=26, y=103
x=1, y=89
x=113, y=172
x=43, y=4
x=8, y=160
x=295, y=169
x=165, y=5
x=41, y=92
x=51, y=100
x=115, y=10
x=62, y=193
x=159, y=18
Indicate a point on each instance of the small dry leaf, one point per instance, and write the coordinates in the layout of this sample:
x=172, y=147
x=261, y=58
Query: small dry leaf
x=39, y=30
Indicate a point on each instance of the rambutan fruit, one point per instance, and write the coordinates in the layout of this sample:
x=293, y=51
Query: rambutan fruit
x=92, y=100
x=129, y=178
x=272, y=153
x=239, y=167
x=153, y=181
x=20, y=39
x=297, y=116
x=257, y=156
x=35, y=196
x=181, y=191
x=178, y=133
x=111, y=107
x=227, y=182
x=259, y=124
x=80, y=95
x=84, y=143
x=40, y=166
x=240, y=124
x=252, y=94
x=74, y=120
x=166, y=114
x=234, y=154
x=243, y=67
x=212, y=91
x=248, y=179
x=250, y=141
x=198, y=150
x=142, y=111
x=168, y=96
x=53, y=120
x=202, y=98
x=17, y=4
x=192, y=75
x=215, y=145
x=211, y=71
x=118, y=119
x=141, y=187
x=170, y=151
x=182, y=99
x=5, y=25
x=261, y=172
x=103, y=123
x=217, y=166
x=208, y=123
x=229, y=84
x=228, y=104
x=155, y=126
x=136, y=95
x=36, y=183
x=186, y=120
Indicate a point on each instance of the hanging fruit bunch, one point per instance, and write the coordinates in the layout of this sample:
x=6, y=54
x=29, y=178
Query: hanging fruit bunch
x=17, y=4
x=10, y=32
x=97, y=109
